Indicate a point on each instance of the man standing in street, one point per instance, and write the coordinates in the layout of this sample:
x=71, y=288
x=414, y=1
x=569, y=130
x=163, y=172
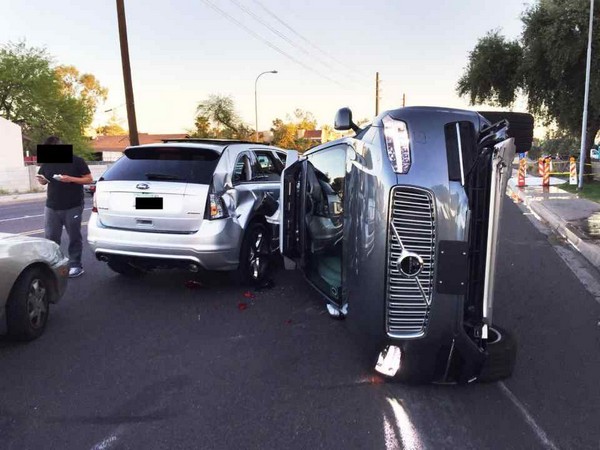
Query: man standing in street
x=64, y=204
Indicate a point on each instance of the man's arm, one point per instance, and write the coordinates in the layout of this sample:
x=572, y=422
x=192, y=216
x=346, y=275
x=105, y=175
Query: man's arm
x=41, y=177
x=86, y=179
x=84, y=170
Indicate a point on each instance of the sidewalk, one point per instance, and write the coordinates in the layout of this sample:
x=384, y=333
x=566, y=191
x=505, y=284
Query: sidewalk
x=576, y=219
x=17, y=198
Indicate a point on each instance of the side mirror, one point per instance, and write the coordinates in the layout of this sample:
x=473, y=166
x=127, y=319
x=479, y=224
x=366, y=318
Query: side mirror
x=343, y=120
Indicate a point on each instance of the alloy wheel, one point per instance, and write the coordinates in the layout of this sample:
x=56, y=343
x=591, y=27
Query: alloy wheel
x=37, y=309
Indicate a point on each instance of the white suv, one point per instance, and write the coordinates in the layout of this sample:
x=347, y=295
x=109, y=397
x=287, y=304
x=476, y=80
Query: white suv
x=193, y=203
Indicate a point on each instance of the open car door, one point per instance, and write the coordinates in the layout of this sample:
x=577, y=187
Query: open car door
x=292, y=231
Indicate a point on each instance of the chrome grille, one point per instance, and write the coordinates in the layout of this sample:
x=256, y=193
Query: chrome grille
x=412, y=214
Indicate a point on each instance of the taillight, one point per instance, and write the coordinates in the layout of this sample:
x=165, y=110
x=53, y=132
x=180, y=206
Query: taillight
x=94, y=204
x=216, y=207
x=397, y=144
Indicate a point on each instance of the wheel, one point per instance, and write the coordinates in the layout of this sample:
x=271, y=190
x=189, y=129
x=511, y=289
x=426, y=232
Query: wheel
x=28, y=305
x=520, y=126
x=254, y=255
x=502, y=355
x=122, y=267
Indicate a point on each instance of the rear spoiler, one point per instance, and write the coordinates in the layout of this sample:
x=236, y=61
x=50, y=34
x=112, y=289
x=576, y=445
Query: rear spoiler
x=520, y=127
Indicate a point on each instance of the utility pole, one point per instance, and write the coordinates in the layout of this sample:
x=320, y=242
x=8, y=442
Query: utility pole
x=584, y=150
x=403, y=100
x=376, y=93
x=131, y=121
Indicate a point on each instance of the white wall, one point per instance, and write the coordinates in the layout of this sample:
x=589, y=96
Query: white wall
x=11, y=145
x=22, y=179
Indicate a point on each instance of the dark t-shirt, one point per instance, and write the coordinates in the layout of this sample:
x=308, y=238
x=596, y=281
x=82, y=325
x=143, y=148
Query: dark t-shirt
x=64, y=195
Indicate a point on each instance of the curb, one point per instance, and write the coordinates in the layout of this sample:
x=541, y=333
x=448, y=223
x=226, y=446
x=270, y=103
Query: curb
x=559, y=225
x=17, y=198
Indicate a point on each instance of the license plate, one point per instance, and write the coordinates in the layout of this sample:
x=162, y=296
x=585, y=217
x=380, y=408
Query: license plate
x=147, y=202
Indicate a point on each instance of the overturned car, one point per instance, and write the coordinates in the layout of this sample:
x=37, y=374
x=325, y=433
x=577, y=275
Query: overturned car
x=397, y=227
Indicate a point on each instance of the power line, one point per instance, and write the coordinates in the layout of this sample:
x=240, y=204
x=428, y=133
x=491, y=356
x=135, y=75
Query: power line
x=265, y=41
x=282, y=35
x=316, y=47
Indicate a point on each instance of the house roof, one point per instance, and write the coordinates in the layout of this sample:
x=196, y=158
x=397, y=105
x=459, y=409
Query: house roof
x=119, y=143
x=312, y=134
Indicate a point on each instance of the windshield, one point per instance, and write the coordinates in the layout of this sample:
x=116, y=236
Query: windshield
x=174, y=164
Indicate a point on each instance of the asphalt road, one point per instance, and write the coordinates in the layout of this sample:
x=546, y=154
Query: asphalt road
x=151, y=364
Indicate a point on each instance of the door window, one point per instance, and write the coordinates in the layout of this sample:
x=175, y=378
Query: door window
x=326, y=171
x=266, y=167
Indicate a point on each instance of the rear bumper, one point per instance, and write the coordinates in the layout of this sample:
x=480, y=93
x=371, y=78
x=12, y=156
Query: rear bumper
x=216, y=245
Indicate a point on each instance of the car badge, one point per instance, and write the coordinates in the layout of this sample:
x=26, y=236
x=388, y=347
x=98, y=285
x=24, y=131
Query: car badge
x=142, y=186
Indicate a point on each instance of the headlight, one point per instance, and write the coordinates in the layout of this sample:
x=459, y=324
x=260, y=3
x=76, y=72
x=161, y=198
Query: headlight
x=397, y=144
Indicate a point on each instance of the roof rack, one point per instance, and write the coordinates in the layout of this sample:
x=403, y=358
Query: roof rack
x=213, y=141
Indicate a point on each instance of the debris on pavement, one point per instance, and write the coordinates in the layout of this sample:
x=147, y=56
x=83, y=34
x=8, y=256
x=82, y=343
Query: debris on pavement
x=249, y=294
x=242, y=306
x=267, y=284
x=193, y=284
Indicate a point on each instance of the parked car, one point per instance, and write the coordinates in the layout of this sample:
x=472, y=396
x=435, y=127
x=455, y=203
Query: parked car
x=34, y=274
x=397, y=228
x=192, y=203
x=90, y=188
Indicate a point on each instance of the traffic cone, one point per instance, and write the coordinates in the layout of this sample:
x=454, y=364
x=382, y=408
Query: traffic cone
x=522, y=172
x=546, y=177
x=573, y=170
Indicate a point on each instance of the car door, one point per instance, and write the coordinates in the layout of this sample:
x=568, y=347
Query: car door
x=312, y=222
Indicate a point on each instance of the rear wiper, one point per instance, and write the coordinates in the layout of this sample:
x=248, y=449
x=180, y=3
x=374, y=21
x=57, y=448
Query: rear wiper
x=161, y=176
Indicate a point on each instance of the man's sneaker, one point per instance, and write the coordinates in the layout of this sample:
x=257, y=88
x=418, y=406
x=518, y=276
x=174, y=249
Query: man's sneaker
x=74, y=272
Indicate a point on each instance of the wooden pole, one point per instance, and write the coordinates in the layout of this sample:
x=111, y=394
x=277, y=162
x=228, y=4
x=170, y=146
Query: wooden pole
x=131, y=121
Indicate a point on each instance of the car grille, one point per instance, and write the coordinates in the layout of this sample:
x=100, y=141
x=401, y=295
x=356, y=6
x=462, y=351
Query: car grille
x=412, y=215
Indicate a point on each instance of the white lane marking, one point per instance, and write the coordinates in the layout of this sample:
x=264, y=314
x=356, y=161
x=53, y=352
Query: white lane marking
x=28, y=217
x=105, y=443
x=411, y=440
x=540, y=433
x=391, y=440
x=41, y=230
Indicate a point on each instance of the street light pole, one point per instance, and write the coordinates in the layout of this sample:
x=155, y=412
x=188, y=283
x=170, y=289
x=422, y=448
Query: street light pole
x=586, y=98
x=131, y=121
x=256, y=103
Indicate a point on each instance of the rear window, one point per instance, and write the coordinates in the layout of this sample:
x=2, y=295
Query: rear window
x=173, y=164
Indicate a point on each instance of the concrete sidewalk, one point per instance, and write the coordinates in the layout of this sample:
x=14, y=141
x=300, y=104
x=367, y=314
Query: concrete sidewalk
x=18, y=198
x=576, y=219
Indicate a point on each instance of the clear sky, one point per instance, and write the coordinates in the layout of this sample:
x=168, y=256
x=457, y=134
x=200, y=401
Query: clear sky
x=184, y=50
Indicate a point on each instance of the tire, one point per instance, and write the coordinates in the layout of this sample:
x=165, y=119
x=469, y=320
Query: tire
x=255, y=254
x=520, y=127
x=27, y=308
x=502, y=355
x=122, y=267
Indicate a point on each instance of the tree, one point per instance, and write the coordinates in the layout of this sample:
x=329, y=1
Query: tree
x=43, y=100
x=287, y=134
x=112, y=127
x=547, y=64
x=217, y=118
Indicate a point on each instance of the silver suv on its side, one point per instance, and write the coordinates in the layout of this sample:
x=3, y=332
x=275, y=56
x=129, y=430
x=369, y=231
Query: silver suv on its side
x=397, y=227
x=194, y=203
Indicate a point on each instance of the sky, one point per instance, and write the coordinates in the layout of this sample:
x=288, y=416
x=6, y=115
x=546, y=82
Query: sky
x=326, y=52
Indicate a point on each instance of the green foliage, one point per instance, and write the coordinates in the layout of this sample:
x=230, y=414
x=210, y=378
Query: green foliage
x=493, y=74
x=547, y=64
x=46, y=100
x=217, y=118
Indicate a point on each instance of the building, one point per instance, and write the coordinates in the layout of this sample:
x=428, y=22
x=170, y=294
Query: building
x=110, y=148
x=11, y=145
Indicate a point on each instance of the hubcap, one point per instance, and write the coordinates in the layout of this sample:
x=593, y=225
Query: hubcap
x=36, y=305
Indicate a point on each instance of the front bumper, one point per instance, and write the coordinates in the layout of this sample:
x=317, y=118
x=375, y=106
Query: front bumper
x=61, y=275
x=215, y=246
